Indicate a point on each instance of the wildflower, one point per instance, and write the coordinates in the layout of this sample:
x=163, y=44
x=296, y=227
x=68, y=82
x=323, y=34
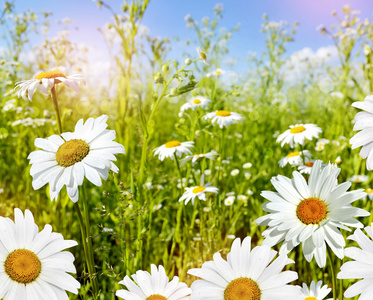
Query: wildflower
x=338, y=95
x=235, y=172
x=249, y=192
x=316, y=292
x=295, y=158
x=361, y=266
x=247, y=165
x=358, y=178
x=153, y=286
x=223, y=118
x=32, y=264
x=198, y=191
x=173, y=148
x=307, y=167
x=310, y=213
x=218, y=72
x=336, y=143
x=229, y=201
x=196, y=102
x=187, y=61
x=363, y=122
x=298, y=133
x=338, y=160
x=242, y=197
x=367, y=50
x=245, y=275
x=198, y=157
x=47, y=80
x=320, y=147
x=207, y=172
x=86, y=152
x=158, y=206
x=369, y=193
x=202, y=55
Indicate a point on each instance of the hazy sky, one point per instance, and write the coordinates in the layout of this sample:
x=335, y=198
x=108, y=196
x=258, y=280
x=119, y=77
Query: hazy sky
x=166, y=18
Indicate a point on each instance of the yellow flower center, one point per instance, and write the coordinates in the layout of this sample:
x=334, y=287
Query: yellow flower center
x=309, y=164
x=369, y=191
x=172, y=144
x=217, y=72
x=357, y=180
x=51, y=74
x=156, y=297
x=196, y=101
x=223, y=113
x=242, y=289
x=297, y=129
x=72, y=152
x=311, y=211
x=293, y=154
x=310, y=298
x=22, y=266
x=198, y=189
x=203, y=55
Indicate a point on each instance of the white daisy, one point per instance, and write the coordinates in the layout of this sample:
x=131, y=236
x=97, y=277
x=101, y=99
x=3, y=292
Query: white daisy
x=245, y=275
x=153, y=286
x=32, y=263
x=310, y=213
x=218, y=72
x=196, y=102
x=361, y=267
x=67, y=159
x=369, y=193
x=247, y=165
x=316, y=292
x=223, y=118
x=235, y=172
x=198, y=191
x=358, y=178
x=363, y=121
x=295, y=158
x=202, y=55
x=307, y=167
x=198, y=157
x=229, y=200
x=47, y=80
x=173, y=147
x=298, y=133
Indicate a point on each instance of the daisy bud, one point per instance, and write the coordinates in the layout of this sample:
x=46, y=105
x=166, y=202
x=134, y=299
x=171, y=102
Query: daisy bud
x=187, y=61
x=173, y=92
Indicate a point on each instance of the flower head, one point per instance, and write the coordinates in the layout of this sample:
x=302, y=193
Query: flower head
x=297, y=134
x=46, y=81
x=153, y=286
x=196, y=102
x=32, y=263
x=363, y=121
x=197, y=191
x=223, y=118
x=67, y=159
x=173, y=147
x=202, y=55
x=311, y=213
x=315, y=292
x=362, y=265
x=295, y=158
x=246, y=274
x=199, y=157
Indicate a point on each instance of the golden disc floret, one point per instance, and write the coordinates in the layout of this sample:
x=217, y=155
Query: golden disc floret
x=172, y=144
x=198, y=189
x=312, y=211
x=196, y=101
x=310, y=298
x=293, y=154
x=22, y=266
x=297, y=129
x=309, y=164
x=72, y=152
x=156, y=297
x=242, y=289
x=50, y=75
x=223, y=113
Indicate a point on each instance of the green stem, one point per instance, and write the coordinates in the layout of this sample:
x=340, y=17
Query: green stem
x=55, y=103
x=334, y=278
x=180, y=174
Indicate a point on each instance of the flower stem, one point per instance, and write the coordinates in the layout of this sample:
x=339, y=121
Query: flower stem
x=55, y=103
x=334, y=278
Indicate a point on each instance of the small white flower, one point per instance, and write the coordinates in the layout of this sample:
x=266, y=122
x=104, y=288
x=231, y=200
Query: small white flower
x=223, y=118
x=369, y=193
x=218, y=72
x=295, y=158
x=338, y=160
x=358, y=178
x=196, y=102
x=247, y=165
x=47, y=80
x=207, y=172
x=247, y=175
x=198, y=157
x=202, y=55
x=297, y=134
x=229, y=200
x=235, y=172
x=319, y=147
x=336, y=143
x=242, y=197
x=249, y=192
x=173, y=147
x=198, y=191
x=316, y=292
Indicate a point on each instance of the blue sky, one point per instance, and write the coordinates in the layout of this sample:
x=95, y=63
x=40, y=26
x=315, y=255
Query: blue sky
x=166, y=18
